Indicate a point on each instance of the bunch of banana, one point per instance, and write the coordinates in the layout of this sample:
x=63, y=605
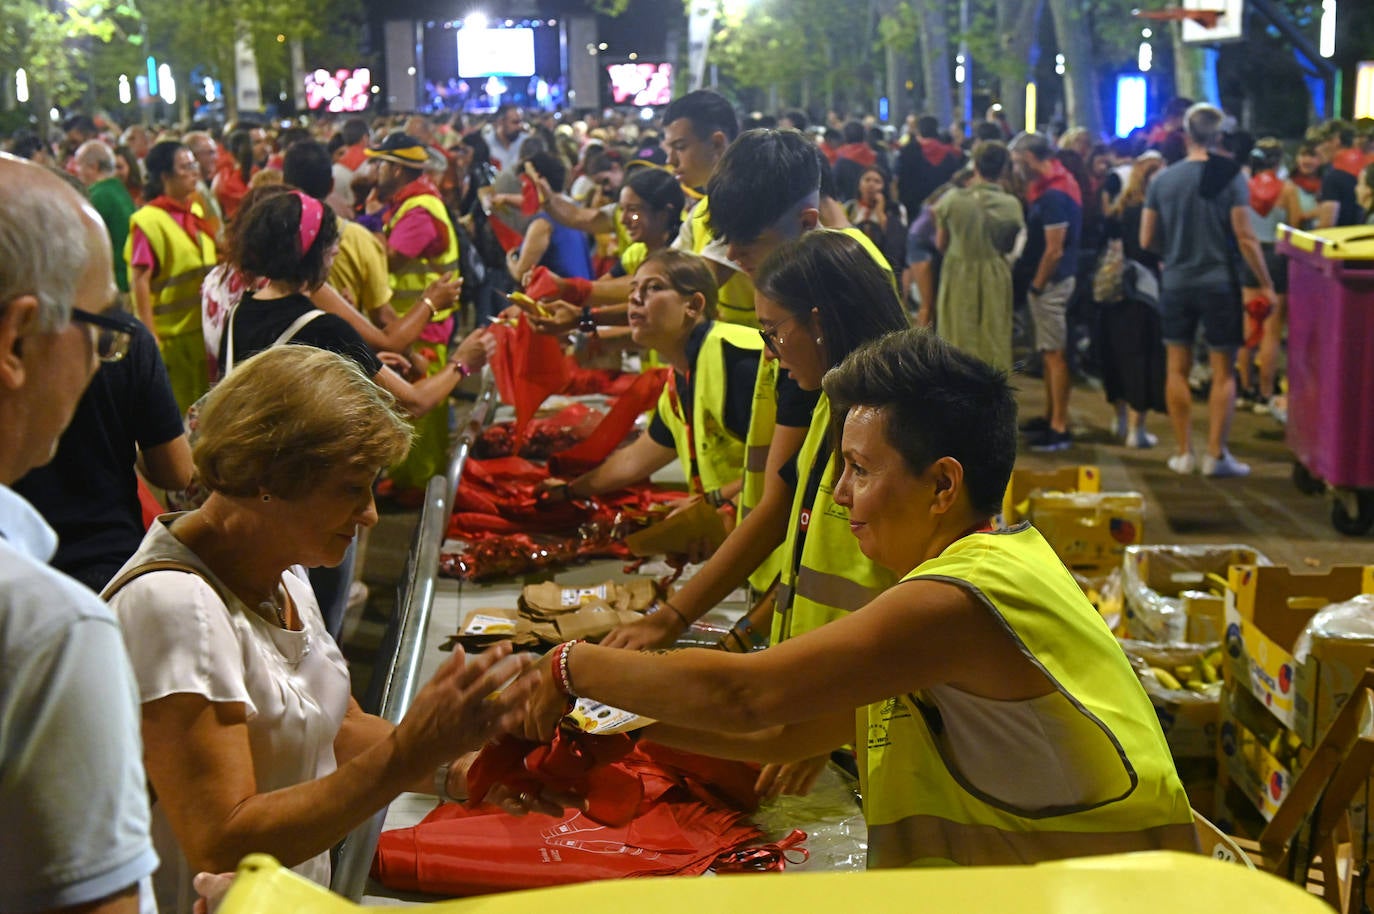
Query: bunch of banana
x=1285, y=747
x=1199, y=675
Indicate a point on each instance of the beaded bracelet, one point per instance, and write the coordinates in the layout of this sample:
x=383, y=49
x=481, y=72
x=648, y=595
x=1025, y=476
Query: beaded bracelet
x=562, y=679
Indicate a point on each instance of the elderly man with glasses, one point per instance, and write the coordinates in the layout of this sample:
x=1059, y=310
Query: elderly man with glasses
x=72, y=795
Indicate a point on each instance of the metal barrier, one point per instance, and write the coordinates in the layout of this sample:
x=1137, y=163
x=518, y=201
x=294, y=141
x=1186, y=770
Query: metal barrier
x=400, y=656
x=395, y=680
x=478, y=416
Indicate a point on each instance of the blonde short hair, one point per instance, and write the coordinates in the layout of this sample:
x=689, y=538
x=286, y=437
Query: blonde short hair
x=291, y=414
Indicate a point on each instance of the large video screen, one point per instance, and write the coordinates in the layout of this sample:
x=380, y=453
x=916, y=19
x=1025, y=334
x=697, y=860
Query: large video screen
x=342, y=90
x=495, y=52
x=641, y=84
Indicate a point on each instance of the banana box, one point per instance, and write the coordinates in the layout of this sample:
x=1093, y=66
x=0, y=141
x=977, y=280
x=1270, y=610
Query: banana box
x=1175, y=593
x=1015, y=501
x=1089, y=531
x=1266, y=610
x=1184, y=688
x=1257, y=753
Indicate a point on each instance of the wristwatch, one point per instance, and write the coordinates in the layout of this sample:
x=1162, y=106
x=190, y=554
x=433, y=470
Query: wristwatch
x=586, y=323
x=1035, y=291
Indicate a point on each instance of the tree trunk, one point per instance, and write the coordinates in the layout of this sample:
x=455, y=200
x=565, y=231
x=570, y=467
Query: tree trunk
x=1018, y=22
x=1080, y=72
x=935, y=59
x=1189, y=63
x=896, y=109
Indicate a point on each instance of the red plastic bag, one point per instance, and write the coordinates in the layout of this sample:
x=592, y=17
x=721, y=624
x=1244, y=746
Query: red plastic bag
x=528, y=367
x=1265, y=189
x=578, y=763
x=543, y=285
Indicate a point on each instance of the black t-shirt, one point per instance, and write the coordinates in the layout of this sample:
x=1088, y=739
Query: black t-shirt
x=89, y=493
x=257, y=324
x=1339, y=187
x=741, y=368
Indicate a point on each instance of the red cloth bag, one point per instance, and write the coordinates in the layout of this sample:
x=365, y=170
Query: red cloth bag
x=692, y=811
x=529, y=367
x=597, y=446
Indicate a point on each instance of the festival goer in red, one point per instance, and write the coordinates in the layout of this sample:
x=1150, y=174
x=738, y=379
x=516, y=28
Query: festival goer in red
x=248, y=150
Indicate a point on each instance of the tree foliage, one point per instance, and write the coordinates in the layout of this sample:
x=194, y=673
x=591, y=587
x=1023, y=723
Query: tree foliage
x=53, y=41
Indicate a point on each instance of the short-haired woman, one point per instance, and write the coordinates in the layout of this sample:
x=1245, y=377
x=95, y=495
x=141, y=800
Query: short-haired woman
x=998, y=721
x=251, y=739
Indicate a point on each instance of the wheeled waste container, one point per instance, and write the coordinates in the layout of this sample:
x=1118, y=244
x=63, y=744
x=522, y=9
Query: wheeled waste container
x=1331, y=366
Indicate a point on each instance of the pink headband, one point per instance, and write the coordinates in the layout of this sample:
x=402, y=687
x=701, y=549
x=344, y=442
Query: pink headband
x=312, y=214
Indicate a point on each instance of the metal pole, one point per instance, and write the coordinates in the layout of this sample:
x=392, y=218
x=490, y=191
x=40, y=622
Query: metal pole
x=966, y=89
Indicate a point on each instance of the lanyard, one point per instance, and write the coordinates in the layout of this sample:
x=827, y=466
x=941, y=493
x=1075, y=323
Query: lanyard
x=684, y=416
x=809, y=495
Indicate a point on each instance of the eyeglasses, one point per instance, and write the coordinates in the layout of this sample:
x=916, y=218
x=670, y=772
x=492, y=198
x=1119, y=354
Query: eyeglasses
x=111, y=336
x=771, y=339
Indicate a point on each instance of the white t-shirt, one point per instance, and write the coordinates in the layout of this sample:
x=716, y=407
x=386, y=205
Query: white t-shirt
x=183, y=639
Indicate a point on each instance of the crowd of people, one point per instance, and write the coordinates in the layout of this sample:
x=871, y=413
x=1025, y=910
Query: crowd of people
x=837, y=312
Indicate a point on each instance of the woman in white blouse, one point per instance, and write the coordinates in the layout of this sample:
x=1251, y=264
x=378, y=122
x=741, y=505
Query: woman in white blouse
x=251, y=739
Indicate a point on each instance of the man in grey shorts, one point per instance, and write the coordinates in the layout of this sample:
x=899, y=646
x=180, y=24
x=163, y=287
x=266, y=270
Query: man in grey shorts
x=1054, y=218
x=1196, y=217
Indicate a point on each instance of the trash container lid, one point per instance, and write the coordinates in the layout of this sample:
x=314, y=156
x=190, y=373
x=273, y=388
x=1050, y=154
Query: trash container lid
x=1345, y=242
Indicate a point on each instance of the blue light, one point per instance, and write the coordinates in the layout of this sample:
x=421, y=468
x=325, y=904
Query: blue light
x=1130, y=104
x=152, y=75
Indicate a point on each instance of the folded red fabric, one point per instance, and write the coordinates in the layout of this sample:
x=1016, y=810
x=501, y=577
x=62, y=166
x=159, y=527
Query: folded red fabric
x=690, y=809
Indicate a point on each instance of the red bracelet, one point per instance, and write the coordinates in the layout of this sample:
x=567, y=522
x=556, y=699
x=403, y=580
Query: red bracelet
x=562, y=679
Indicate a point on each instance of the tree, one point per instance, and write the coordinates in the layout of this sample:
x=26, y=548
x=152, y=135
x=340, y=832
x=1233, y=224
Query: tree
x=51, y=43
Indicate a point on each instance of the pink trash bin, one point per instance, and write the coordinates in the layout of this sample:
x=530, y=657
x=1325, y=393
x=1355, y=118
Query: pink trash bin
x=1331, y=365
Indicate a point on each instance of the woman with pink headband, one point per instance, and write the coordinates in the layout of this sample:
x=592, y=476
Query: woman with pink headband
x=289, y=240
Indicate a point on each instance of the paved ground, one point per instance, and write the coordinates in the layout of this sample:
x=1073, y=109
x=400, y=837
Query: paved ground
x=1263, y=510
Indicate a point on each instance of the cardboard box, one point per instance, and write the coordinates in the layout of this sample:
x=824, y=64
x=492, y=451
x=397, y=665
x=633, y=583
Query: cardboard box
x=1248, y=755
x=1015, y=504
x=1166, y=590
x=1089, y=531
x=1188, y=718
x=1266, y=610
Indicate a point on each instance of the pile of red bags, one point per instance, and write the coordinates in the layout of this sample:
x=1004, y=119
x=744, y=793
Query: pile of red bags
x=690, y=811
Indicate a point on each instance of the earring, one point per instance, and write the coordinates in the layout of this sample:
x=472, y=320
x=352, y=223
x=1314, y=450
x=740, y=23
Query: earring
x=267, y=498
x=819, y=342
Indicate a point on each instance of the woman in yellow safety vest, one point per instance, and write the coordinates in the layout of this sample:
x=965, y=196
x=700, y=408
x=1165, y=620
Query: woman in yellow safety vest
x=703, y=413
x=170, y=250
x=996, y=718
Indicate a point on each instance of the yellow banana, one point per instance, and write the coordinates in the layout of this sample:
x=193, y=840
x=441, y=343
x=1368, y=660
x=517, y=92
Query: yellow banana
x=1167, y=679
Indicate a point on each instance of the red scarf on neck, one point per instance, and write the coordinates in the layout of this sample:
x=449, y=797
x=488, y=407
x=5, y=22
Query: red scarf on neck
x=194, y=221
x=935, y=151
x=1349, y=161
x=1057, y=178
x=1310, y=183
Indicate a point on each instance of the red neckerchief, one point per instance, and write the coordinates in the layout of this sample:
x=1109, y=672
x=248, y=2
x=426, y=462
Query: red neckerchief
x=417, y=188
x=934, y=151
x=857, y=152
x=1310, y=183
x=1058, y=179
x=1265, y=188
x=1349, y=161
x=193, y=219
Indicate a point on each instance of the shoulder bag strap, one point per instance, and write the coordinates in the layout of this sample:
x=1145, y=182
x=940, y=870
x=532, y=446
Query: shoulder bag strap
x=139, y=571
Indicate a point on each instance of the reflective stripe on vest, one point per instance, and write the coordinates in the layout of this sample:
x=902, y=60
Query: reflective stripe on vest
x=835, y=577
x=409, y=282
x=920, y=811
x=763, y=418
x=182, y=265
x=719, y=452
x=735, y=300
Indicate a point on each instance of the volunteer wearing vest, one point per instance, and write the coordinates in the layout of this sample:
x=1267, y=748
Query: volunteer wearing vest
x=170, y=250
x=697, y=129
x=769, y=182
x=421, y=246
x=703, y=413
x=997, y=720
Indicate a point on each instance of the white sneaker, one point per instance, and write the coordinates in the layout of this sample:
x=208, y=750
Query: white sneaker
x=1140, y=439
x=1183, y=464
x=1223, y=466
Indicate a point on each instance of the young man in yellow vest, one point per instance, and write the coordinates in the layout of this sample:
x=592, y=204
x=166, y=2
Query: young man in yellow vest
x=697, y=129
x=422, y=246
